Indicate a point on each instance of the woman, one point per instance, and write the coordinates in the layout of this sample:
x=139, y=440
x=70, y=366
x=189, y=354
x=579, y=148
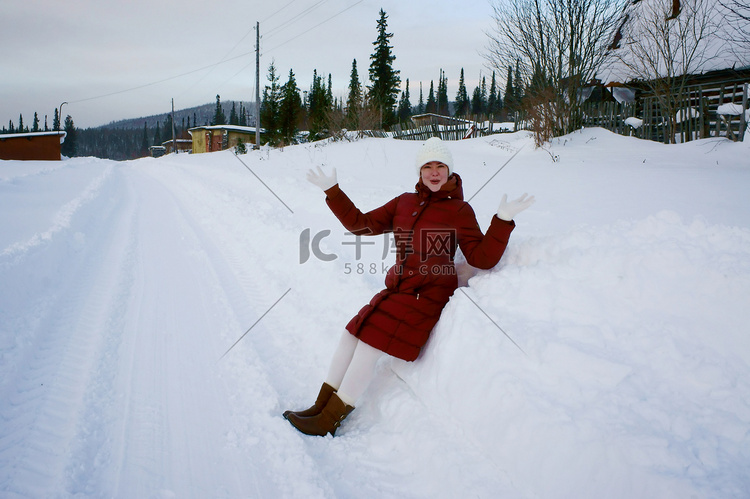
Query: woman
x=427, y=225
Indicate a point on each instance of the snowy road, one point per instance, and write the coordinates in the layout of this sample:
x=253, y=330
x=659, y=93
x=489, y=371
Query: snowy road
x=123, y=284
x=117, y=368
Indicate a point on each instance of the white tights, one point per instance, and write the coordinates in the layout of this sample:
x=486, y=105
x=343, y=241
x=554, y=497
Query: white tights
x=352, y=367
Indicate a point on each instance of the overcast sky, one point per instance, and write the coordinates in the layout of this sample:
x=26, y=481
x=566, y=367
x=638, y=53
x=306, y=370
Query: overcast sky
x=112, y=60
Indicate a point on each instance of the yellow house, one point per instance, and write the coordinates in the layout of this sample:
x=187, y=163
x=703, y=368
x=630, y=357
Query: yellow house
x=221, y=137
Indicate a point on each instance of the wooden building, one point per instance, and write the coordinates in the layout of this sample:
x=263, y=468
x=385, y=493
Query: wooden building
x=43, y=146
x=221, y=137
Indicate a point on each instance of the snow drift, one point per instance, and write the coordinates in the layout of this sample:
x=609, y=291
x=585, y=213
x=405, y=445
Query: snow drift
x=607, y=355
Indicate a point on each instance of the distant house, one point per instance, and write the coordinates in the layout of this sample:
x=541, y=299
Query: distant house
x=221, y=137
x=44, y=146
x=180, y=145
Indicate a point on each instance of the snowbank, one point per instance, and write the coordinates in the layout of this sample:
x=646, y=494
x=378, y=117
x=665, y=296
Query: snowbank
x=607, y=355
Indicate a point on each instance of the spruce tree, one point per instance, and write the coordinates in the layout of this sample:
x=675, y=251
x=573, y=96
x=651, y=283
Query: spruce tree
x=167, y=135
x=354, y=100
x=479, y=98
x=385, y=80
x=70, y=146
x=443, y=107
x=157, y=135
x=219, y=117
x=56, y=121
x=518, y=86
x=290, y=109
x=317, y=108
x=35, y=125
x=329, y=93
x=269, y=109
x=20, y=124
x=420, y=106
x=462, y=97
x=431, y=106
x=233, y=118
x=243, y=115
x=510, y=94
x=492, y=107
x=476, y=101
x=404, y=105
x=144, y=141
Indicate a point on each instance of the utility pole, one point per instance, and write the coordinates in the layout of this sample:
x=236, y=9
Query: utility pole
x=257, y=85
x=174, y=144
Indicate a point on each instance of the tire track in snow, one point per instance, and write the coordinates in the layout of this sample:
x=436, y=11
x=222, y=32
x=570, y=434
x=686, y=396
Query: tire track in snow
x=51, y=363
x=61, y=219
x=259, y=428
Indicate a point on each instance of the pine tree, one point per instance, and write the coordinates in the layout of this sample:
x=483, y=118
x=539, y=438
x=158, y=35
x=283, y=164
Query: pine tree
x=70, y=146
x=20, y=124
x=462, y=97
x=35, y=125
x=219, y=117
x=354, y=100
x=56, y=121
x=431, y=106
x=385, y=80
x=290, y=109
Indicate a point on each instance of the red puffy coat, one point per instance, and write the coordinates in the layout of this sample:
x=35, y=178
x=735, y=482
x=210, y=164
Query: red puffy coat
x=427, y=227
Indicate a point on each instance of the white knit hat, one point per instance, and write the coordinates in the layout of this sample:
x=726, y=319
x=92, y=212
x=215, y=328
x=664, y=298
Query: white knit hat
x=434, y=150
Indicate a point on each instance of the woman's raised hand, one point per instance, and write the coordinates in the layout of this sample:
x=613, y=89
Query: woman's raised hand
x=509, y=209
x=322, y=180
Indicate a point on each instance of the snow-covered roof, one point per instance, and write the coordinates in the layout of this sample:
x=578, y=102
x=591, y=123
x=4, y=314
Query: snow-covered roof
x=61, y=133
x=236, y=128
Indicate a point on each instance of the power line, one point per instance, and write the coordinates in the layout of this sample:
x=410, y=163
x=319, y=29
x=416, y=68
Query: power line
x=273, y=31
x=284, y=7
x=320, y=23
x=228, y=59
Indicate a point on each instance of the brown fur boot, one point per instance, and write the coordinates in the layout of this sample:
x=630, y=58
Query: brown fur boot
x=323, y=397
x=327, y=421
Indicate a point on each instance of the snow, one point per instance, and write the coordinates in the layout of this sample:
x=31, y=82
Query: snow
x=634, y=122
x=685, y=114
x=624, y=291
x=732, y=110
x=26, y=135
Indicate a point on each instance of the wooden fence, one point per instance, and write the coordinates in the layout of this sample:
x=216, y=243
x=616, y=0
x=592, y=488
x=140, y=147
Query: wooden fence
x=457, y=130
x=696, y=118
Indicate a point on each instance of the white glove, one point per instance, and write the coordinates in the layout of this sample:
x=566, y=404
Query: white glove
x=322, y=180
x=509, y=209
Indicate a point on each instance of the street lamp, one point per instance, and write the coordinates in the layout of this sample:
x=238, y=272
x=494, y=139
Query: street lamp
x=59, y=117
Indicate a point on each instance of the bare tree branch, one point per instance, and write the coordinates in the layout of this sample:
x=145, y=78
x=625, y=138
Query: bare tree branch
x=558, y=45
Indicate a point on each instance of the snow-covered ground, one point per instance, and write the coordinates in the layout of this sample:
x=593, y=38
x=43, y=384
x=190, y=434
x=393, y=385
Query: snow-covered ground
x=625, y=287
